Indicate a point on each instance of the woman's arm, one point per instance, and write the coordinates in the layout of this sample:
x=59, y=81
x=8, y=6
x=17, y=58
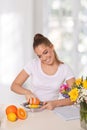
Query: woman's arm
x=61, y=102
x=50, y=105
x=17, y=86
x=70, y=82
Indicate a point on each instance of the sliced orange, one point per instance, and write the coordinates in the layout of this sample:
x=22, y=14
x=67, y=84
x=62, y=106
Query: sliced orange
x=21, y=113
x=11, y=108
x=34, y=106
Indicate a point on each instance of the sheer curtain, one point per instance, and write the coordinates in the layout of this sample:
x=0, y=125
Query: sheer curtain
x=15, y=37
x=16, y=32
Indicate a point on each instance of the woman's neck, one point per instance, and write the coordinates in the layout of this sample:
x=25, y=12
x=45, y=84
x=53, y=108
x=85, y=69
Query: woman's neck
x=50, y=69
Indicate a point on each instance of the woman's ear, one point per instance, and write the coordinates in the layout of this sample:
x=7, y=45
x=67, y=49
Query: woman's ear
x=52, y=46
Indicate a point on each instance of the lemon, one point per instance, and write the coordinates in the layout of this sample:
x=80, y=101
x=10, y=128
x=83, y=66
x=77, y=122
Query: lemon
x=12, y=117
x=34, y=106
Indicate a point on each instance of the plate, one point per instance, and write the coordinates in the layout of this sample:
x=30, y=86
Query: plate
x=26, y=106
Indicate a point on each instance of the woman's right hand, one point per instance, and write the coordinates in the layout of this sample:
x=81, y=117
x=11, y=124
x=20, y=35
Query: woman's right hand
x=29, y=95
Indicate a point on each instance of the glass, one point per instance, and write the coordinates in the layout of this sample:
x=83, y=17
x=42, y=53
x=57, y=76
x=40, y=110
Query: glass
x=83, y=115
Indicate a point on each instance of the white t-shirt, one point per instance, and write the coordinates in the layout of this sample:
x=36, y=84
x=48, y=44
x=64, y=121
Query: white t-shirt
x=46, y=87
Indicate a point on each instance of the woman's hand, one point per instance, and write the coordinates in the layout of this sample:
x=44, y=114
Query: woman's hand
x=29, y=95
x=50, y=105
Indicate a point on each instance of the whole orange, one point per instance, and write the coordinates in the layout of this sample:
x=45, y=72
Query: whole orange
x=12, y=117
x=36, y=102
x=11, y=109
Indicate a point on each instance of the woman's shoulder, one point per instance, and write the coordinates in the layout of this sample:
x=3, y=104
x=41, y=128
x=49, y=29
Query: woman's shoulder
x=64, y=65
x=67, y=70
x=31, y=65
x=33, y=61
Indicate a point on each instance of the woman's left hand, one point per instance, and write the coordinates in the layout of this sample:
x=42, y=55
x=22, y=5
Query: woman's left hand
x=50, y=105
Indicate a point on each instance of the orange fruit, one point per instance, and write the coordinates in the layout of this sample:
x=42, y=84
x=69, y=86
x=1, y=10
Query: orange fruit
x=36, y=102
x=11, y=109
x=21, y=113
x=12, y=117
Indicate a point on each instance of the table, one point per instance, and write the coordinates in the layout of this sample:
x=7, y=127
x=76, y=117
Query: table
x=43, y=120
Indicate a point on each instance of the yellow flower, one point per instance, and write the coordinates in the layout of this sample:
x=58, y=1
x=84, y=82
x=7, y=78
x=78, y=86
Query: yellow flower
x=85, y=84
x=73, y=94
x=78, y=81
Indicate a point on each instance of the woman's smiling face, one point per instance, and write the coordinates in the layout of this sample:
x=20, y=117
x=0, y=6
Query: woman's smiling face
x=45, y=53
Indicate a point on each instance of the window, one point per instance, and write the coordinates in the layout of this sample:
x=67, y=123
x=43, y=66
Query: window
x=66, y=26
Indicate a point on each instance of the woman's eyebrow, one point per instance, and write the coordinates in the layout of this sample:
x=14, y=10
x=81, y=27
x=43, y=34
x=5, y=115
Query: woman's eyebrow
x=42, y=53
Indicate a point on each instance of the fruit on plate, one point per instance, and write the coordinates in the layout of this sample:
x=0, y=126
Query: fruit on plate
x=12, y=117
x=33, y=106
x=11, y=109
x=21, y=113
x=35, y=102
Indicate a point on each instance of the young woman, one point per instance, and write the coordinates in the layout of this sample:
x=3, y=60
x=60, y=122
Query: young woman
x=47, y=73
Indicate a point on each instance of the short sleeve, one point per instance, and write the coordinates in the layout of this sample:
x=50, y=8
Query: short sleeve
x=68, y=72
x=28, y=67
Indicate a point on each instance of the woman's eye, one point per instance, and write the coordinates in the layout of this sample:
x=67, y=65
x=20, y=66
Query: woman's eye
x=45, y=52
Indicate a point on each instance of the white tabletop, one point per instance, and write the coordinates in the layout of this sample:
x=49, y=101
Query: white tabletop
x=44, y=120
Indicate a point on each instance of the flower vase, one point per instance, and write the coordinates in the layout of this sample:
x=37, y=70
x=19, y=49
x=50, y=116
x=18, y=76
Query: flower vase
x=83, y=115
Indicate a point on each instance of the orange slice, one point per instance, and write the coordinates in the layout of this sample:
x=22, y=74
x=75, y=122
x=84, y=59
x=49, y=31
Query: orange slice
x=34, y=106
x=21, y=113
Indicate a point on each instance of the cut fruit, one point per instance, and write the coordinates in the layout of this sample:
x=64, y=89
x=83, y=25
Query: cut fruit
x=21, y=113
x=34, y=106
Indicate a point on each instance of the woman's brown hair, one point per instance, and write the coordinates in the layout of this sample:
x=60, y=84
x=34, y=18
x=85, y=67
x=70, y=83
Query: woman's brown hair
x=40, y=39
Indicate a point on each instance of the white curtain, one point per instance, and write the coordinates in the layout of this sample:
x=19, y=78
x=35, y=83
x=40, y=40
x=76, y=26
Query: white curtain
x=16, y=32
